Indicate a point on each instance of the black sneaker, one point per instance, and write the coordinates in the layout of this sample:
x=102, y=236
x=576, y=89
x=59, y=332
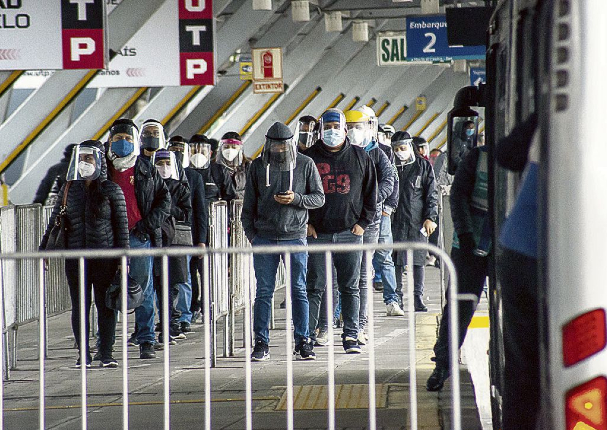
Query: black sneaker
x=418, y=304
x=133, y=341
x=351, y=345
x=261, y=351
x=196, y=315
x=304, y=350
x=158, y=346
x=176, y=333
x=89, y=360
x=185, y=327
x=109, y=362
x=158, y=327
x=146, y=351
x=437, y=379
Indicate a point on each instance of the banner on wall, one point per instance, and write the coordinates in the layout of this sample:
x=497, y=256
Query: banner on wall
x=52, y=34
x=174, y=47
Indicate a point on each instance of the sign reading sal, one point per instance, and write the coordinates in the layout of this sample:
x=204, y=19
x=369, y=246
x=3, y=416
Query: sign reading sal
x=174, y=47
x=52, y=34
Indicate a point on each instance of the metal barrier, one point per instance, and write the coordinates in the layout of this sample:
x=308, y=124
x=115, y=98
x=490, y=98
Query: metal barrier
x=35, y=259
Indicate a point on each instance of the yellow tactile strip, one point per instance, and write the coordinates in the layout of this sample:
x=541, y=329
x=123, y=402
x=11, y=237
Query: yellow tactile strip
x=347, y=396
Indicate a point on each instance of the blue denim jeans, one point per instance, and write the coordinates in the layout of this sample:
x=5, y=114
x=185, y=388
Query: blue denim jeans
x=371, y=236
x=383, y=263
x=141, y=271
x=347, y=265
x=184, y=299
x=265, y=266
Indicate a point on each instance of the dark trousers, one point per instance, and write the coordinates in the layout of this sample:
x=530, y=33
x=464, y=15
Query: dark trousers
x=419, y=275
x=98, y=274
x=471, y=274
x=174, y=314
x=521, y=395
x=195, y=269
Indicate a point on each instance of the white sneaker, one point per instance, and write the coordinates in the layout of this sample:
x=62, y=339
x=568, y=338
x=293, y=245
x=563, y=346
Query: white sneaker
x=322, y=338
x=393, y=310
x=362, y=337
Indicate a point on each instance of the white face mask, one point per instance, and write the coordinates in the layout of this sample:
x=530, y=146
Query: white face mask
x=230, y=153
x=405, y=156
x=357, y=137
x=333, y=137
x=164, y=171
x=86, y=169
x=199, y=161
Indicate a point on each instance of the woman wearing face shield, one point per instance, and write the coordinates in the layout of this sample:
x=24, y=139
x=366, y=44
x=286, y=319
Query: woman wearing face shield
x=415, y=216
x=230, y=154
x=216, y=177
x=305, y=132
x=181, y=212
x=96, y=219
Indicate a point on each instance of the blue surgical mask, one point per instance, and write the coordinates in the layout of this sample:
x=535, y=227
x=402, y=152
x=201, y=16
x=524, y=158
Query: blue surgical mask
x=333, y=137
x=469, y=132
x=122, y=148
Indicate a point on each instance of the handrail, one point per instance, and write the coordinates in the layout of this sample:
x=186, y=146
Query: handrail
x=126, y=106
x=412, y=120
x=382, y=109
x=337, y=100
x=305, y=103
x=4, y=86
x=352, y=103
x=177, y=108
x=397, y=115
x=224, y=108
x=427, y=124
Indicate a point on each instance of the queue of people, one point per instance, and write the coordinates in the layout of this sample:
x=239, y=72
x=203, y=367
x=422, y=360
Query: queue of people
x=333, y=180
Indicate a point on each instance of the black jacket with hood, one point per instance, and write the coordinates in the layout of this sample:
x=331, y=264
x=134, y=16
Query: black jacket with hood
x=418, y=201
x=96, y=216
x=350, y=186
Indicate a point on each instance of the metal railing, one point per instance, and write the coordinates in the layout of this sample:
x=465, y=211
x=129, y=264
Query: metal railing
x=36, y=259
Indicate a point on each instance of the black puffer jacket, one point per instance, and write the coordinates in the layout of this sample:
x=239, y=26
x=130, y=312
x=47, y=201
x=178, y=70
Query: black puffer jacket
x=96, y=216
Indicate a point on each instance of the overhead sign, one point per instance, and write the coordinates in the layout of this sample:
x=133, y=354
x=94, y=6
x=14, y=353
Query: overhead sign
x=421, y=103
x=52, y=34
x=246, y=68
x=391, y=49
x=267, y=71
x=174, y=47
x=477, y=76
x=427, y=41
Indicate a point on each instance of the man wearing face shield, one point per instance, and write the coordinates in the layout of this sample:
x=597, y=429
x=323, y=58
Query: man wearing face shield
x=96, y=219
x=415, y=216
x=282, y=186
x=463, y=141
x=423, y=148
x=216, y=177
x=230, y=154
x=361, y=133
x=350, y=186
x=305, y=132
x=187, y=302
x=148, y=204
x=152, y=137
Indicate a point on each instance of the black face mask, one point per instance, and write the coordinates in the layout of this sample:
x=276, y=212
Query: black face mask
x=150, y=142
x=278, y=157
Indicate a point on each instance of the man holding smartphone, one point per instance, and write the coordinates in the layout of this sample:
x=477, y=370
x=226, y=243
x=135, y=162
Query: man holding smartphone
x=282, y=185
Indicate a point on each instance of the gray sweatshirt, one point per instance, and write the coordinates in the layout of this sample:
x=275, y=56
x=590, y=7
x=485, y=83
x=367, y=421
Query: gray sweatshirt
x=263, y=216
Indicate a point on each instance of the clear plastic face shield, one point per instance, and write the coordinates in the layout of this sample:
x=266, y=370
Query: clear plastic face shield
x=280, y=154
x=360, y=133
x=200, y=155
x=332, y=127
x=403, y=151
x=304, y=133
x=85, y=164
x=152, y=136
x=165, y=164
x=424, y=149
x=123, y=141
x=181, y=150
x=230, y=152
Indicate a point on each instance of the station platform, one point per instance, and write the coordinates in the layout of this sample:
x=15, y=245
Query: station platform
x=228, y=381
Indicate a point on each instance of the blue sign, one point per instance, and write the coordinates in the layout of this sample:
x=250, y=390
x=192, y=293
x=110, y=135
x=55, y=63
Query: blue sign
x=427, y=41
x=477, y=76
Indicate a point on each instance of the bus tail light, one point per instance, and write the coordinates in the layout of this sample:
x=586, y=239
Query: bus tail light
x=586, y=406
x=584, y=336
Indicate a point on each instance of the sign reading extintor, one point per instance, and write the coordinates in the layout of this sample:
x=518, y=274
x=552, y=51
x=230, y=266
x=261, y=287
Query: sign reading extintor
x=174, y=47
x=52, y=34
x=427, y=41
x=267, y=70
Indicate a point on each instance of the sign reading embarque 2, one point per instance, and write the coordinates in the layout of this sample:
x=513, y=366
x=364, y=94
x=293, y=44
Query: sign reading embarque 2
x=52, y=34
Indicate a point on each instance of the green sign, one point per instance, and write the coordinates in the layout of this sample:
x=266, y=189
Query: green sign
x=391, y=49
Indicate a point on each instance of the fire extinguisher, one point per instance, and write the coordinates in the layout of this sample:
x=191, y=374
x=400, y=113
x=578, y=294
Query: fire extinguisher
x=268, y=65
